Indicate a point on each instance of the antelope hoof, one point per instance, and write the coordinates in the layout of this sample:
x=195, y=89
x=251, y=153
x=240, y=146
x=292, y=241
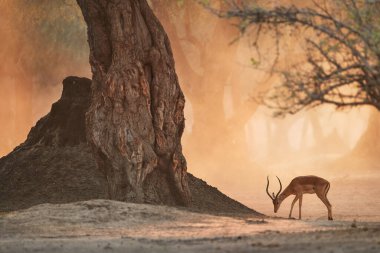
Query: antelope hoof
x=330, y=218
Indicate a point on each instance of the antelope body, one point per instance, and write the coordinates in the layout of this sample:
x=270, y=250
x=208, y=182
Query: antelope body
x=298, y=186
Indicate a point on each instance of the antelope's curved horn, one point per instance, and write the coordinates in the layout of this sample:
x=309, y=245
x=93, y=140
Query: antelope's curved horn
x=280, y=187
x=268, y=188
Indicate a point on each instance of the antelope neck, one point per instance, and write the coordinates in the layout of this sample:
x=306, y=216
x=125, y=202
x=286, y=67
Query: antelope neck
x=284, y=194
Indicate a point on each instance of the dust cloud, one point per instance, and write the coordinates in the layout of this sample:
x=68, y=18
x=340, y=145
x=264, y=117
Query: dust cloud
x=234, y=143
x=230, y=141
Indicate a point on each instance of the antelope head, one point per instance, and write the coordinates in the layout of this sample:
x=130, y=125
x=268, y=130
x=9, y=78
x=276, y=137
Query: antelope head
x=275, y=199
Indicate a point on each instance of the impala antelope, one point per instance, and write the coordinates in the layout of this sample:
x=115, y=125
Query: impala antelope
x=298, y=186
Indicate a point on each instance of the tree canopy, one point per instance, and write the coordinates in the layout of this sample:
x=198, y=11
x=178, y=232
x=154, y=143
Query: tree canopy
x=342, y=53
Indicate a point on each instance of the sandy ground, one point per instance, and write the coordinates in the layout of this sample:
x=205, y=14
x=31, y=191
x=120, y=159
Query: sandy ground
x=110, y=226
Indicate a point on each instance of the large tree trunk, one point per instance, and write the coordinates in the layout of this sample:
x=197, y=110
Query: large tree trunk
x=135, y=121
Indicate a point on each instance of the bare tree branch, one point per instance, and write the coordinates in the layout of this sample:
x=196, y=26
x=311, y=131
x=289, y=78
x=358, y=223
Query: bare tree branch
x=342, y=58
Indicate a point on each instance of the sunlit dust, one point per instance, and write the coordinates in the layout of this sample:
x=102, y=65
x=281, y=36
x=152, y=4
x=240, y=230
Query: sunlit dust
x=230, y=141
x=37, y=50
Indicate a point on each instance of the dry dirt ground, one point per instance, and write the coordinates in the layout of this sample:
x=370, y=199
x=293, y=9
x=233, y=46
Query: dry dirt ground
x=110, y=226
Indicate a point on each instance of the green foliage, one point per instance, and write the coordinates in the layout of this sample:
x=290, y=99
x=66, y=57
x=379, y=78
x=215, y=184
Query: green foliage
x=204, y=2
x=180, y=3
x=57, y=22
x=49, y=34
x=254, y=62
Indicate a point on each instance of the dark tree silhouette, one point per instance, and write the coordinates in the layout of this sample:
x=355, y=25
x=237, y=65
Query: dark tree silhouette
x=343, y=53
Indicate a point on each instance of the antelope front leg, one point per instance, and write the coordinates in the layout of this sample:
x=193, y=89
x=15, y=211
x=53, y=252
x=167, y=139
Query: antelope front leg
x=291, y=208
x=300, y=202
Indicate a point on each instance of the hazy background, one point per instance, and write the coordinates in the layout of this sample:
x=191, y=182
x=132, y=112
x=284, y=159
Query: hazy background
x=230, y=141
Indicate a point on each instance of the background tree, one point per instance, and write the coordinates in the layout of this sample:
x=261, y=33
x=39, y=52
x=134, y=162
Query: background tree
x=342, y=52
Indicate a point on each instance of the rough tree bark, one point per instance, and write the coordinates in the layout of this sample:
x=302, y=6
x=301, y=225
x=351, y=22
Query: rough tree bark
x=135, y=121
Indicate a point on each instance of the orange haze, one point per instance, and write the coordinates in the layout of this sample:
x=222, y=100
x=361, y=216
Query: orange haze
x=229, y=141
